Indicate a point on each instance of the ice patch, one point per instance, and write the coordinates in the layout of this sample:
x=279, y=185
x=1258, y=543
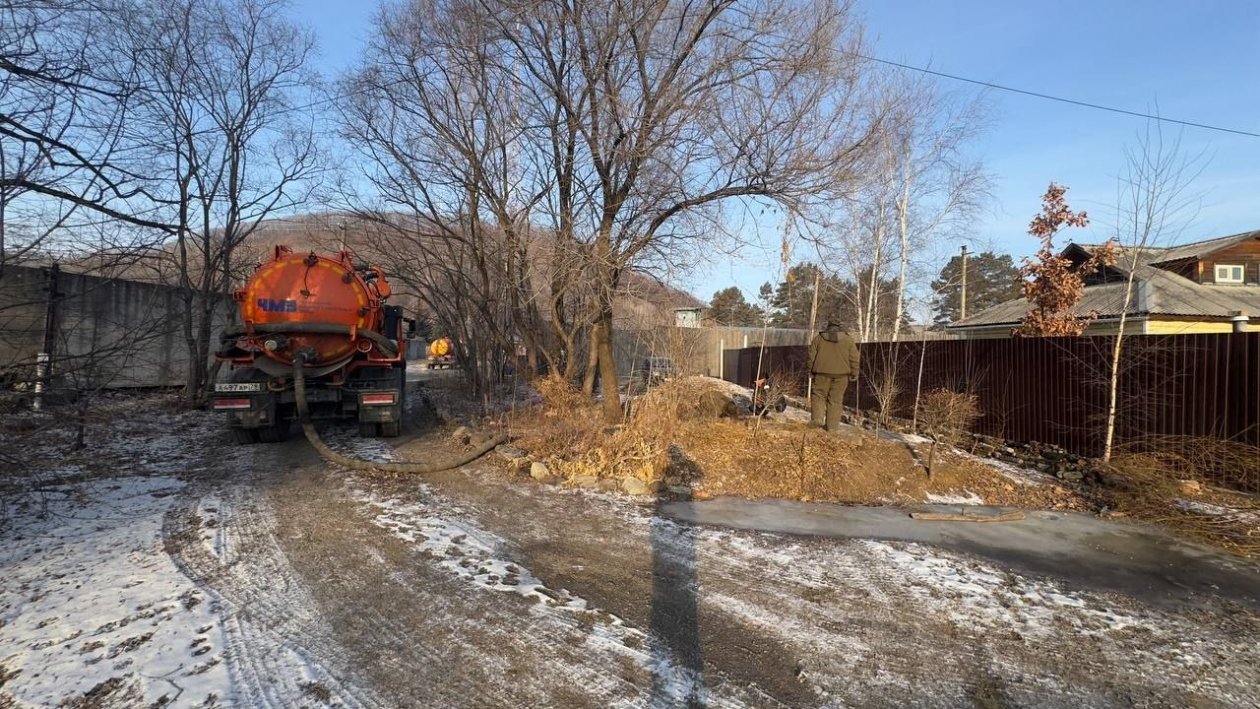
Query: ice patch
x=348, y=442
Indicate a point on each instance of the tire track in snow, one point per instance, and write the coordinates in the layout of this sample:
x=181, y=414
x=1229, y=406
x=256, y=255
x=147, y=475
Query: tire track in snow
x=278, y=650
x=580, y=657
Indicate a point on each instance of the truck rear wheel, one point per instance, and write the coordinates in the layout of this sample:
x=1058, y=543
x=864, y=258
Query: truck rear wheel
x=390, y=429
x=367, y=429
x=245, y=436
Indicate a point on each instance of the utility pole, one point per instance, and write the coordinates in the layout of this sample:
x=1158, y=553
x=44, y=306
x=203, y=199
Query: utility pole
x=964, y=283
x=813, y=323
x=44, y=359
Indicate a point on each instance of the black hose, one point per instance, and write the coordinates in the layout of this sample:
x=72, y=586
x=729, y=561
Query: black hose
x=332, y=456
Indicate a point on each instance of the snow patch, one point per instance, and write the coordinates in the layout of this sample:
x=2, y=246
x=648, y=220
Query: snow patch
x=970, y=498
x=1020, y=476
x=1233, y=514
x=974, y=593
x=89, y=595
x=468, y=552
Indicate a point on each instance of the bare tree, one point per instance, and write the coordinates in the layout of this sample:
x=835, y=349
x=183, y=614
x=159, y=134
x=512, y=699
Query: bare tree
x=935, y=185
x=64, y=99
x=627, y=124
x=447, y=140
x=1153, y=206
x=224, y=146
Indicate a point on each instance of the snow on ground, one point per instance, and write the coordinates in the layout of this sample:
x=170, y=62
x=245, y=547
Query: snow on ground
x=912, y=439
x=1225, y=513
x=970, y=498
x=1013, y=473
x=977, y=594
x=346, y=440
x=845, y=594
x=468, y=552
x=89, y=600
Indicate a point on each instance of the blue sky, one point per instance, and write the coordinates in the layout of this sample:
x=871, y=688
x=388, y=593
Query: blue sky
x=1197, y=61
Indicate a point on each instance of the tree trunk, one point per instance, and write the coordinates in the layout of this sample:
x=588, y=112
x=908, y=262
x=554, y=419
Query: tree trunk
x=608, y=369
x=903, y=224
x=1113, y=379
x=592, y=361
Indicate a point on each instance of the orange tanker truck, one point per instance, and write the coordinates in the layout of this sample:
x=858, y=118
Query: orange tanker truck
x=326, y=314
x=441, y=353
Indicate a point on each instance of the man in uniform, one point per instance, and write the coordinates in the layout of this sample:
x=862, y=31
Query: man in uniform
x=833, y=362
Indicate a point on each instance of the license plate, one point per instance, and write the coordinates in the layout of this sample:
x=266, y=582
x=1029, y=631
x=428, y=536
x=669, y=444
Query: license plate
x=242, y=386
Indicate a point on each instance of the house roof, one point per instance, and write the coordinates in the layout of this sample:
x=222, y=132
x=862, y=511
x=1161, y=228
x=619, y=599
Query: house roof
x=1156, y=292
x=1155, y=255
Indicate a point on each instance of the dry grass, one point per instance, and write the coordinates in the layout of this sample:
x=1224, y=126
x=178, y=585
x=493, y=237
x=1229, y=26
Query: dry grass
x=573, y=439
x=683, y=432
x=793, y=461
x=1154, y=481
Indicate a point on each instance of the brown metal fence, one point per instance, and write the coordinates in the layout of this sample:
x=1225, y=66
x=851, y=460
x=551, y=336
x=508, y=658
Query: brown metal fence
x=1054, y=390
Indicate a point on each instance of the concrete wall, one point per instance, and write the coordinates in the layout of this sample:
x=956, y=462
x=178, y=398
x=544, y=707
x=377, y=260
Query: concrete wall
x=109, y=333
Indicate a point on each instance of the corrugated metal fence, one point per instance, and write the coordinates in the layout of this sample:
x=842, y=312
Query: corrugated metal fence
x=1054, y=390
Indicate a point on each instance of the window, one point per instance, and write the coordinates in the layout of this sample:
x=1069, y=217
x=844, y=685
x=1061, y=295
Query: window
x=1229, y=274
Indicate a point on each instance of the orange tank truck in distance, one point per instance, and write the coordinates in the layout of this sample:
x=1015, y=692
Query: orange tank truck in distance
x=441, y=353
x=332, y=311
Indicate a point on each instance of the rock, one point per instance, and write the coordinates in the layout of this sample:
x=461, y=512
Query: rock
x=1190, y=487
x=509, y=453
x=634, y=486
x=479, y=439
x=657, y=486
x=461, y=435
x=521, y=465
x=539, y=471
x=606, y=485
x=1071, y=475
x=680, y=490
x=585, y=482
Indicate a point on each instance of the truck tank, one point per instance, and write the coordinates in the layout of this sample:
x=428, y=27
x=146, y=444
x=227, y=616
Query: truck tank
x=330, y=312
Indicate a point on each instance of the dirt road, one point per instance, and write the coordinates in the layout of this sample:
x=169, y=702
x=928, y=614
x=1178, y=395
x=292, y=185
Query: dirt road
x=474, y=588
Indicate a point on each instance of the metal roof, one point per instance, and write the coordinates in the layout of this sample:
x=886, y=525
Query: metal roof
x=1154, y=255
x=1155, y=292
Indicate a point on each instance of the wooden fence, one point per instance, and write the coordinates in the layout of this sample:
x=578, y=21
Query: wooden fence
x=1054, y=390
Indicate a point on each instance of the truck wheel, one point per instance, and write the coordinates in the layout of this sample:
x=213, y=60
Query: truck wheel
x=245, y=436
x=367, y=430
x=390, y=429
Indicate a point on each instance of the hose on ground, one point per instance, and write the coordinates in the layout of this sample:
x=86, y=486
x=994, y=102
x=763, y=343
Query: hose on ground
x=332, y=456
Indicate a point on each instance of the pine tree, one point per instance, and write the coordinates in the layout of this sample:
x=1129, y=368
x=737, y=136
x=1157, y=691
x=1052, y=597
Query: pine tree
x=729, y=308
x=991, y=279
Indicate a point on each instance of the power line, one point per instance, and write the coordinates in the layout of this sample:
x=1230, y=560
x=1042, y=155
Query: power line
x=1060, y=99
